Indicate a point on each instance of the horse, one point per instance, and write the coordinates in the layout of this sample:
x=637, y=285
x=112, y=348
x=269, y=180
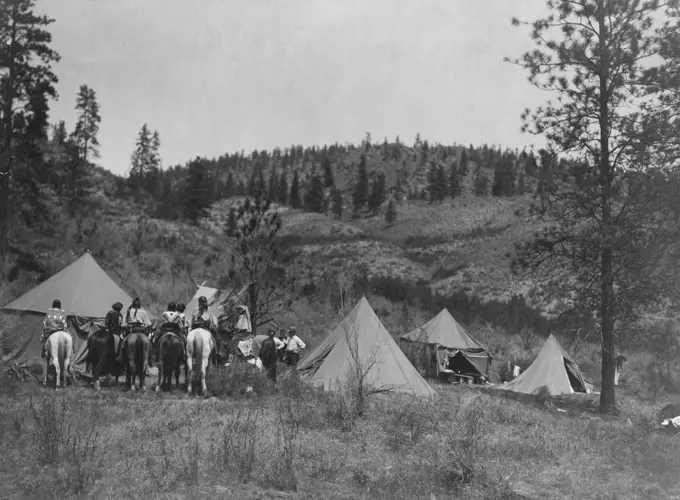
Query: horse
x=136, y=358
x=201, y=345
x=101, y=356
x=268, y=356
x=169, y=355
x=59, y=350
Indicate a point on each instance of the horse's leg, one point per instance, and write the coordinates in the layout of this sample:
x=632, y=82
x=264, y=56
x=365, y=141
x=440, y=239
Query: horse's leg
x=159, y=365
x=57, y=369
x=132, y=372
x=178, y=370
x=68, y=370
x=97, y=372
x=45, y=369
x=204, y=368
x=190, y=370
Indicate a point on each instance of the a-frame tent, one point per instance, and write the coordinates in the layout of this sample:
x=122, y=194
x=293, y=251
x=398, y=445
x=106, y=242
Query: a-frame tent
x=443, y=344
x=362, y=339
x=86, y=293
x=553, y=372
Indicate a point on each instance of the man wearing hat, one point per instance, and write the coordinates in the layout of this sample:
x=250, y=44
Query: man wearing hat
x=293, y=347
x=114, y=319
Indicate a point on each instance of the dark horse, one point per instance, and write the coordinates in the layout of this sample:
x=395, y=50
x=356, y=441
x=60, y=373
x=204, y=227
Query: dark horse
x=136, y=359
x=101, y=356
x=170, y=355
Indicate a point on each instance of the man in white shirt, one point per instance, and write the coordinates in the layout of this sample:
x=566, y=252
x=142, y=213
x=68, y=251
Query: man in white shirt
x=293, y=347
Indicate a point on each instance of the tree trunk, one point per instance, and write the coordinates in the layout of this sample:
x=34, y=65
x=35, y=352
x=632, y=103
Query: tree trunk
x=607, y=311
x=254, y=313
x=5, y=152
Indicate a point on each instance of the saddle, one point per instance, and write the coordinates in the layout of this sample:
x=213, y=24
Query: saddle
x=139, y=329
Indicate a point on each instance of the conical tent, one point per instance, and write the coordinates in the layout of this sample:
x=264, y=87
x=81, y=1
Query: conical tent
x=553, y=371
x=361, y=341
x=86, y=293
x=443, y=344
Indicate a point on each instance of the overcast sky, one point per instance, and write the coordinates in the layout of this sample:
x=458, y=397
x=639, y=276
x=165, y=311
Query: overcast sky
x=216, y=76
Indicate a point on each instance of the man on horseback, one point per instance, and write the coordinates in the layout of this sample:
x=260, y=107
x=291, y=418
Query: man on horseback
x=184, y=323
x=203, y=318
x=114, y=319
x=55, y=321
x=136, y=320
x=171, y=322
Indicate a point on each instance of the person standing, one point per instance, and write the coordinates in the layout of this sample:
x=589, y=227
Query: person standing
x=293, y=347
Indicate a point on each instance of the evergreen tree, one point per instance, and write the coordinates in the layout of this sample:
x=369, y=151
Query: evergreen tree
x=295, y=200
x=87, y=125
x=377, y=196
x=283, y=189
x=229, y=186
x=329, y=181
x=25, y=63
x=59, y=134
x=336, y=204
x=142, y=161
x=273, y=187
x=455, y=185
x=360, y=195
x=391, y=214
x=463, y=170
x=314, y=198
x=481, y=182
x=232, y=227
x=521, y=183
x=196, y=197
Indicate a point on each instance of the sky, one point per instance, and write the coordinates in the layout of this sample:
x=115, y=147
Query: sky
x=220, y=76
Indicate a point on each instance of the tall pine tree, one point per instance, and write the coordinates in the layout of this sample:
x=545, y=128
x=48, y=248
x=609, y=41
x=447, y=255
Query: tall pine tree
x=360, y=194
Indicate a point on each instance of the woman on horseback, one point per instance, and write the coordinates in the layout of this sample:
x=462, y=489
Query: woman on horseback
x=136, y=320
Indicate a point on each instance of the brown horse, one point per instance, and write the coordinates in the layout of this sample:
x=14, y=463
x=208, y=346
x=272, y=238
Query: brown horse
x=101, y=356
x=136, y=359
x=170, y=354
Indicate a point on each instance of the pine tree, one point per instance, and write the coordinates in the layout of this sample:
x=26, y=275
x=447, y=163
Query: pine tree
x=377, y=196
x=196, y=197
x=521, y=183
x=142, y=159
x=455, y=186
x=314, y=198
x=229, y=186
x=87, y=124
x=360, y=194
x=283, y=189
x=295, y=200
x=391, y=214
x=481, y=182
x=336, y=205
x=328, y=181
x=26, y=62
x=463, y=170
x=273, y=187
x=232, y=227
x=59, y=134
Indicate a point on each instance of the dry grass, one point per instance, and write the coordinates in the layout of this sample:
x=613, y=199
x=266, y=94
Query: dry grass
x=466, y=444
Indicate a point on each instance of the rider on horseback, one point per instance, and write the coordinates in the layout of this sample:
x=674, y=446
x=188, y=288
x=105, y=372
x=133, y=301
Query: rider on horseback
x=136, y=320
x=55, y=321
x=203, y=318
x=171, y=322
x=184, y=321
x=114, y=319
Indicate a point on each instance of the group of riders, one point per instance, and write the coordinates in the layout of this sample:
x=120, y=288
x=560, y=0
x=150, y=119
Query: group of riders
x=174, y=321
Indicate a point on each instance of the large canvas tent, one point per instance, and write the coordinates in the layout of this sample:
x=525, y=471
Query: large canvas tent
x=362, y=337
x=86, y=293
x=553, y=371
x=442, y=344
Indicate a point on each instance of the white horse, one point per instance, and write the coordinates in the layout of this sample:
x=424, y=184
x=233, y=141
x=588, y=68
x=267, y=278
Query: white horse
x=200, y=344
x=59, y=349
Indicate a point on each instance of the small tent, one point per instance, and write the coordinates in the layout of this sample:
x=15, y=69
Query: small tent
x=361, y=337
x=553, y=371
x=86, y=293
x=443, y=345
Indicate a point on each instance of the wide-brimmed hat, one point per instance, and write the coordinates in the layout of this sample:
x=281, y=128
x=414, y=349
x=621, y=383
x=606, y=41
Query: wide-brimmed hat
x=292, y=329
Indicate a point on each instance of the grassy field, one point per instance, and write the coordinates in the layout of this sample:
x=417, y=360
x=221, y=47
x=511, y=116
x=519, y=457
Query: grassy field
x=293, y=442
